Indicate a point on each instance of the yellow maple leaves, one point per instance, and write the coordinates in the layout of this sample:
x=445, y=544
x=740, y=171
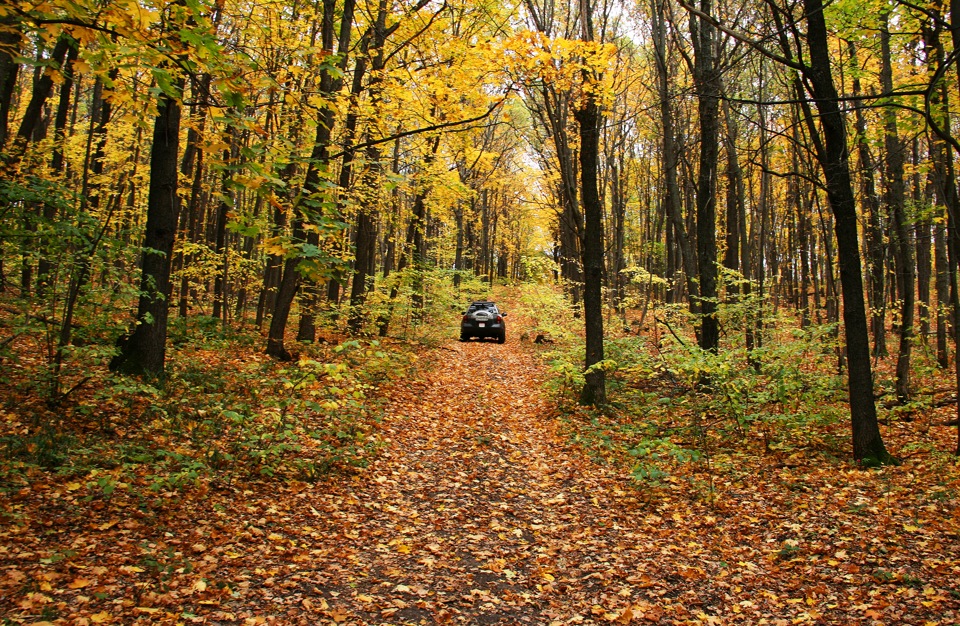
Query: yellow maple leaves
x=566, y=64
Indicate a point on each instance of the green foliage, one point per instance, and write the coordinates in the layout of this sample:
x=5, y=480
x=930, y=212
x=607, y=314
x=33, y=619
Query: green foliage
x=420, y=304
x=218, y=418
x=537, y=268
x=550, y=313
x=653, y=454
x=675, y=405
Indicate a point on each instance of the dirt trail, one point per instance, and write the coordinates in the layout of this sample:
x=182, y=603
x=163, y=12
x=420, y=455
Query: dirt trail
x=480, y=512
x=477, y=513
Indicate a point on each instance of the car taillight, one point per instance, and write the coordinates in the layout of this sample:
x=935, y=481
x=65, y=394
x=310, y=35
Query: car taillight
x=466, y=318
x=499, y=319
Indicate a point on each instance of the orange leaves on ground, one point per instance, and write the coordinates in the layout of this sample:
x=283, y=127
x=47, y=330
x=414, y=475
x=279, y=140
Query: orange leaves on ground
x=479, y=509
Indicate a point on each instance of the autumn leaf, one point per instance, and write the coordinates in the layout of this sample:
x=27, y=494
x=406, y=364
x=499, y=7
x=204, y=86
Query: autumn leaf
x=80, y=583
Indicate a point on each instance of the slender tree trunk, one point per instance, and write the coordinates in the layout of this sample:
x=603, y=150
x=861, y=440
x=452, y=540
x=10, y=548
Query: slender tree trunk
x=11, y=39
x=100, y=113
x=383, y=324
x=192, y=167
x=896, y=201
x=366, y=222
x=943, y=293
x=458, y=254
x=33, y=114
x=418, y=226
x=618, y=213
x=672, y=203
x=798, y=200
x=220, y=234
x=319, y=158
x=867, y=443
x=709, y=89
x=947, y=188
x=57, y=165
x=735, y=195
x=924, y=242
x=876, y=249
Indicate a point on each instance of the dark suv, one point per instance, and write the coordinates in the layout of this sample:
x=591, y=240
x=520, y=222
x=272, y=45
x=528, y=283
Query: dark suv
x=483, y=319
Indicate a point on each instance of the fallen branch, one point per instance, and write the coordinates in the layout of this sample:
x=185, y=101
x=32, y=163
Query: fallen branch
x=670, y=328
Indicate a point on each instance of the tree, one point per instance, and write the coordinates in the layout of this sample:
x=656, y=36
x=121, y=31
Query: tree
x=709, y=88
x=589, y=116
x=833, y=157
x=10, y=40
x=143, y=353
x=895, y=198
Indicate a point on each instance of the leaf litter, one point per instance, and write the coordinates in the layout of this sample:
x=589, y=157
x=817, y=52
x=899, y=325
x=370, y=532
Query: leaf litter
x=481, y=510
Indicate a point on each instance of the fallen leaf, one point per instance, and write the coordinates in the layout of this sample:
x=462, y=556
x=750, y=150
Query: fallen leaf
x=80, y=583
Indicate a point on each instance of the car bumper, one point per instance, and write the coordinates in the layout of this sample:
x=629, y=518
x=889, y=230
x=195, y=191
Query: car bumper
x=490, y=329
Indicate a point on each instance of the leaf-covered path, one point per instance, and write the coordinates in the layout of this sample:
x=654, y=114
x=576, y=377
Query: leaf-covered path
x=480, y=512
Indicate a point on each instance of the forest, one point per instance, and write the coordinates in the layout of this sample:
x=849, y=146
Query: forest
x=231, y=230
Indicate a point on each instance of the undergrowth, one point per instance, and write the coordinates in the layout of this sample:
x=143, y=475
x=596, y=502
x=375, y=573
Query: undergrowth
x=223, y=413
x=678, y=413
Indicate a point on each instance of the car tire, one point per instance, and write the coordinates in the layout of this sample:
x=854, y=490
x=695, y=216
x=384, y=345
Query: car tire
x=502, y=337
x=464, y=338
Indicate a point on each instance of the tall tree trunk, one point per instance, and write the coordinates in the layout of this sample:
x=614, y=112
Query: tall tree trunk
x=943, y=293
x=273, y=268
x=57, y=166
x=939, y=119
x=458, y=253
x=588, y=117
x=310, y=205
x=32, y=116
x=673, y=206
x=144, y=352
x=192, y=167
x=707, y=80
x=896, y=202
x=924, y=242
x=735, y=195
x=226, y=202
x=797, y=198
x=876, y=249
x=100, y=113
x=11, y=39
x=867, y=443
x=418, y=226
x=383, y=324
x=365, y=231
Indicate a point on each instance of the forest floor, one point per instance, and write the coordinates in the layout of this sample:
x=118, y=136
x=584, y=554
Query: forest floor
x=481, y=510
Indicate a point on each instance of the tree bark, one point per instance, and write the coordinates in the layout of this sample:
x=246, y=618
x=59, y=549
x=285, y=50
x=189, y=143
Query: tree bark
x=924, y=242
x=895, y=201
x=588, y=117
x=707, y=80
x=32, y=116
x=45, y=265
x=876, y=249
x=673, y=206
x=868, y=445
x=144, y=352
x=10, y=39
